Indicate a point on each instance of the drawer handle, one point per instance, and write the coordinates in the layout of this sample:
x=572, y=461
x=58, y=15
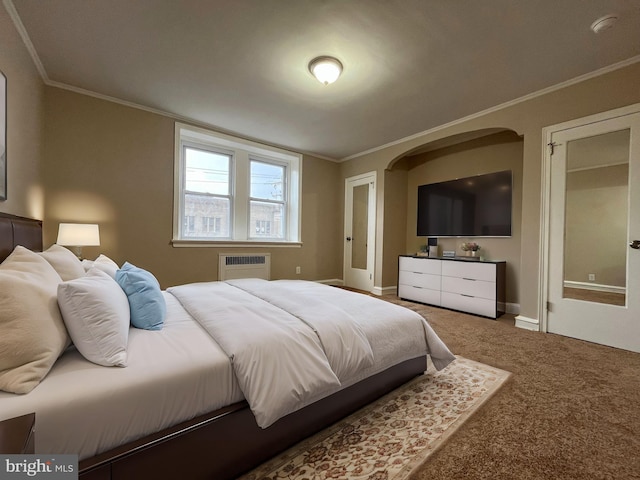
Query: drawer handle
x=470, y=296
x=470, y=279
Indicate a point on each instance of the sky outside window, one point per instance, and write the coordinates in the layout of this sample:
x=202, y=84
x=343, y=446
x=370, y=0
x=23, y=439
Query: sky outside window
x=267, y=181
x=207, y=172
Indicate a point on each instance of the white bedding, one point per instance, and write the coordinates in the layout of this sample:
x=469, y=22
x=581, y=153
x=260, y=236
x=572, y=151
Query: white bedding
x=278, y=360
x=341, y=336
x=172, y=375
x=293, y=342
x=179, y=372
x=391, y=327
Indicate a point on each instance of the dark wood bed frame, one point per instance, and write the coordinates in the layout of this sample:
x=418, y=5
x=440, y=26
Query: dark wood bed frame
x=227, y=442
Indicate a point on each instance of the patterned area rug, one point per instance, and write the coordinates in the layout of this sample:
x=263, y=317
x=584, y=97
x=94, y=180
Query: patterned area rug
x=394, y=435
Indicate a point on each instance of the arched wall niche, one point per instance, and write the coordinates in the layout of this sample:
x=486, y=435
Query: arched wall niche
x=456, y=156
x=403, y=161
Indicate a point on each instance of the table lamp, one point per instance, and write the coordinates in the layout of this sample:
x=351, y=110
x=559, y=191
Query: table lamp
x=78, y=235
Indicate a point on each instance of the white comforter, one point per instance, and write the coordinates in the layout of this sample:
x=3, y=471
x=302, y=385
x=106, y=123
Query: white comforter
x=278, y=361
x=344, y=342
x=180, y=371
x=292, y=342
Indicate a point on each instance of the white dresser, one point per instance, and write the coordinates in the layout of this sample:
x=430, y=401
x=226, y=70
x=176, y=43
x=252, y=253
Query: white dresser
x=466, y=285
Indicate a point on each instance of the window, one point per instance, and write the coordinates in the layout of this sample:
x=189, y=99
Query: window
x=189, y=224
x=229, y=190
x=207, y=192
x=263, y=228
x=212, y=225
x=267, y=199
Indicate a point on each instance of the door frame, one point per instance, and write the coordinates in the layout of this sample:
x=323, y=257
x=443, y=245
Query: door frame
x=545, y=207
x=371, y=178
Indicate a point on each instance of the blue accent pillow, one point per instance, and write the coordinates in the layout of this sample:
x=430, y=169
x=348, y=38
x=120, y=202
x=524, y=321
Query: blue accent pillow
x=146, y=303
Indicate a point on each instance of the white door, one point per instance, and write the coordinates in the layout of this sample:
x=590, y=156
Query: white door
x=359, y=230
x=594, y=232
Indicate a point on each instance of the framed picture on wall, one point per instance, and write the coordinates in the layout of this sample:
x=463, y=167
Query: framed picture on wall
x=3, y=137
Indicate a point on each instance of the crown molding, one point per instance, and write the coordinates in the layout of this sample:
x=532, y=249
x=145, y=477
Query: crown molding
x=525, y=98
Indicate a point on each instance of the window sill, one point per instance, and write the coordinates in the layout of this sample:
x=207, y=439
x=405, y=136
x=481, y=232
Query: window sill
x=232, y=243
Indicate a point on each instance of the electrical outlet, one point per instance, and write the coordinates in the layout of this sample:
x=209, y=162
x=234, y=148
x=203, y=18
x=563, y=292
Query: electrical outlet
x=592, y=277
x=298, y=270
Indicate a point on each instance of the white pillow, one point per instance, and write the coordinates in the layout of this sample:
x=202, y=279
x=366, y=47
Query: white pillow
x=107, y=265
x=96, y=313
x=64, y=262
x=32, y=333
x=87, y=264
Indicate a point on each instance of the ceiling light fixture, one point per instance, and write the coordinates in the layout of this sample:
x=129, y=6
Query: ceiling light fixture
x=604, y=23
x=325, y=69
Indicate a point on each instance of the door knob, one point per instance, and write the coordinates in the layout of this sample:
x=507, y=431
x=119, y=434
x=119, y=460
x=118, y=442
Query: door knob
x=348, y=239
x=635, y=244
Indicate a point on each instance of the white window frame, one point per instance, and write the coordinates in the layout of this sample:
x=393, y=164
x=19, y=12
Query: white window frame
x=285, y=192
x=243, y=151
x=188, y=144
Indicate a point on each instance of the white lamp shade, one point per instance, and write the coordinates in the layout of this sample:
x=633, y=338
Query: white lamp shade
x=326, y=69
x=78, y=235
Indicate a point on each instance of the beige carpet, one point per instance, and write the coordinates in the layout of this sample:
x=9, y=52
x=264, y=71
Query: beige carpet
x=391, y=438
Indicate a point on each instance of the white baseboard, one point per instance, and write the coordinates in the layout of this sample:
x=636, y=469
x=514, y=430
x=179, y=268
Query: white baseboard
x=513, y=308
x=596, y=287
x=385, y=290
x=527, y=323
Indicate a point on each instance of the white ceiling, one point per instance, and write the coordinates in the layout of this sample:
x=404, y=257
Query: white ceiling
x=240, y=66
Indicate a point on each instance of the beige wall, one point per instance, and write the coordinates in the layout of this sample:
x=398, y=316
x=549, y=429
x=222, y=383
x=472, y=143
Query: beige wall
x=502, y=151
x=395, y=220
x=25, y=117
x=527, y=118
x=113, y=165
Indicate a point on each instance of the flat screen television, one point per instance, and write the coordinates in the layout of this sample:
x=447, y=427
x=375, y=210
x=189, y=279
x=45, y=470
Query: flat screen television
x=478, y=206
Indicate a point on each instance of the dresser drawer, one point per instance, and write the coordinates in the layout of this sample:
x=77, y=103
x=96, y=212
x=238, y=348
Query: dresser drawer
x=475, y=305
x=423, y=280
x=473, y=270
x=465, y=285
x=422, y=295
x=420, y=265
x=474, y=288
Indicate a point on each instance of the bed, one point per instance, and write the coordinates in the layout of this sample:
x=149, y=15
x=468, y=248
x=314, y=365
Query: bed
x=198, y=397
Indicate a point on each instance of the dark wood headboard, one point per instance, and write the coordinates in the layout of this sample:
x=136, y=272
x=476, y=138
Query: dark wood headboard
x=19, y=231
